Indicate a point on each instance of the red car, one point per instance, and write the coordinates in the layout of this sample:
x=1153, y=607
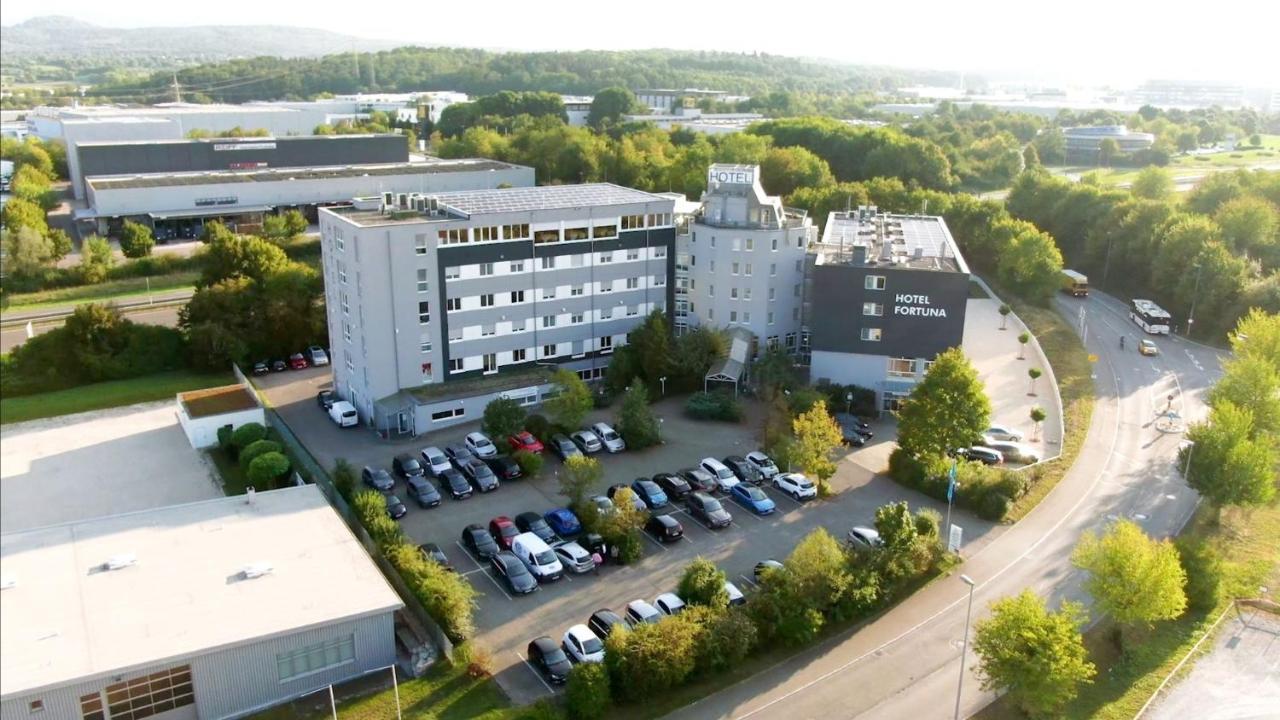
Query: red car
x=298, y=362
x=524, y=440
x=503, y=531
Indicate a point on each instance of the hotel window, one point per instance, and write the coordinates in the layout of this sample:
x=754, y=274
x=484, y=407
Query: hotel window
x=660, y=252
x=424, y=344
x=773, y=269
x=452, y=237
x=633, y=310
x=795, y=290
x=490, y=363
x=733, y=316
x=733, y=293
x=577, y=260
x=799, y=241
x=169, y=689
x=772, y=342
x=798, y=268
x=420, y=244
x=604, y=231
x=517, y=296
x=633, y=254
x=713, y=241
x=346, y=307
x=711, y=313
x=515, y=232
x=751, y=244
x=423, y=283
x=426, y=371
x=775, y=245
x=746, y=269
x=548, y=351
x=342, y=272
x=452, y=273
x=518, y=326
x=487, y=234
x=632, y=222
x=771, y=322
x=488, y=330
x=546, y=236
x=606, y=313
x=486, y=269
x=606, y=286
x=633, y=283
x=517, y=267
x=576, y=290
x=346, y=331
x=772, y=294
x=746, y=316
x=455, y=334
x=874, y=282
x=338, y=239
x=713, y=265
x=575, y=319
x=453, y=304
x=902, y=367
x=518, y=355
x=791, y=341
x=424, y=313
x=548, y=321
x=311, y=659
x=549, y=293
x=576, y=233
x=455, y=365
x=659, y=280
x=871, y=334
x=711, y=291
x=486, y=300
x=795, y=313
x=746, y=293
x=734, y=269
x=606, y=342
x=737, y=244
x=875, y=309
x=548, y=263
x=606, y=257
x=453, y=412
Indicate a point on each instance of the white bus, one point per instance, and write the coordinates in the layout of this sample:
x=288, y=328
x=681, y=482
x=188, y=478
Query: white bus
x=1149, y=316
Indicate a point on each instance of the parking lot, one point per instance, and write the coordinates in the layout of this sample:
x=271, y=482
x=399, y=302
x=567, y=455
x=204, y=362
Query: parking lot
x=505, y=623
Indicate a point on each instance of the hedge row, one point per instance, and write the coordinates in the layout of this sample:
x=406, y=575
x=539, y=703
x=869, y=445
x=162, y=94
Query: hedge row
x=713, y=406
x=988, y=491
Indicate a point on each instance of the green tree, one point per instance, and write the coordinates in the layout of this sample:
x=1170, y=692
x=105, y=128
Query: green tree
x=818, y=568
x=230, y=256
x=267, y=468
x=1004, y=315
x=1251, y=383
x=253, y=450
x=1032, y=266
x=60, y=242
x=946, y=410
x=1188, y=139
x=1152, y=183
x=27, y=252
x=96, y=259
x=1225, y=463
x=136, y=240
x=31, y=185
x=652, y=658
x=573, y=401
x=621, y=528
x=728, y=637
x=1023, y=339
x=1132, y=578
x=816, y=435
x=784, y=170
x=1030, y=157
x=896, y=526
x=503, y=417
x=1034, y=374
x=1036, y=656
x=587, y=695
x=1108, y=151
x=20, y=213
x=610, y=104
x=1255, y=140
x=1257, y=335
x=703, y=584
x=1249, y=224
x=636, y=423
x=1037, y=416
x=580, y=476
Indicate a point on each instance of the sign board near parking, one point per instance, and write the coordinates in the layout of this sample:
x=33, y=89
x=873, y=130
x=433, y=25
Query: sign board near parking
x=953, y=541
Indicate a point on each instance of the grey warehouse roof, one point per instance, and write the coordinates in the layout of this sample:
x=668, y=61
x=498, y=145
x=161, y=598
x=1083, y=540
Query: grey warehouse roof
x=546, y=197
x=218, y=177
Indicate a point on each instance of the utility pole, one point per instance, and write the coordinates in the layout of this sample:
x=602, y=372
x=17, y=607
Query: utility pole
x=964, y=648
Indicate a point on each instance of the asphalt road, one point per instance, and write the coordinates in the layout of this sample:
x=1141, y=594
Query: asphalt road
x=906, y=664
x=12, y=337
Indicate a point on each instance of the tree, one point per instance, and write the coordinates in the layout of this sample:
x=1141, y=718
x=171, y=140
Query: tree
x=1004, y=315
x=503, y=417
x=586, y=694
x=1034, y=374
x=1023, y=339
x=784, y=170
x=230, y=256
x=27, y=252
x=95, y=259
x=1132, y=577
x=1225, y=463
x=1249, y=225
x=816, y=436
x=1257, y=335
x=1030, y=157
x=31, y=185
x=572, y=402
x=267, y=468
x=253, y=450
x=775, y=372
x=818, y=569
x=728, y=637
x=946, y=410
x=1255, y=140
x=610, y=104
x=136, y=240
x=1188, y=139
x=621, y=527
x=649, y=345
x=703, y=584
x=637, y=424
x=1108, y=150
x=1036, y=656
x=61, y=243
x=896, y=526
x=581, y=474
x=1251, y=383
x=20, y=213
x=284, y=227
x=1037, y=416
x=1032, y=266
x=1152, y=183
x=653, y=657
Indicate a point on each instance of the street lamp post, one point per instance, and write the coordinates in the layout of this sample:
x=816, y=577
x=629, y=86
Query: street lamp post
x=1195, y=295
x=848, y=398
x=663, y=380
x=964, y=647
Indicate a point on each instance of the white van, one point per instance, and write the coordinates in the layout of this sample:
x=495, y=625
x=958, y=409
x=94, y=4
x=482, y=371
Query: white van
x=537, y=556
x=344, y=414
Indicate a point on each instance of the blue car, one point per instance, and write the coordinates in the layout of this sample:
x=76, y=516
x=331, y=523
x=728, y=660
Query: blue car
x=648, y=491
x=563, y=522
x=752, y=498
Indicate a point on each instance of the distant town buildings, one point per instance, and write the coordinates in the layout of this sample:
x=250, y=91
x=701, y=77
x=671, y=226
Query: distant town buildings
x=696, y=120
x=1182, y=94
x=577, y=108
x=667, y=100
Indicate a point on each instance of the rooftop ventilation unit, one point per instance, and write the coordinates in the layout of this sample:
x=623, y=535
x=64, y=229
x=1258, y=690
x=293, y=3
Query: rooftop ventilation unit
x=256, y=570
x=120, y=562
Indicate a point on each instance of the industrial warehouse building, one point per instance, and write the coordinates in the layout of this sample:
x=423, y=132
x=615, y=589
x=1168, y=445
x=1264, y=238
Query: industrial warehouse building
x=215, y=609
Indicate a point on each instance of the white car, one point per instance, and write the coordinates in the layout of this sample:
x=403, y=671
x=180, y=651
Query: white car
x=1002, y=432
x=735, y=595
x=640, y=612
x=864, y=538
x=435, y=460
x=669, y=604
x=344, y=414
x=1013, y=451
x=582, y=645
x=481, y=446
x=725, y=479
x=796, y=485
x=763, y=464
x=317, y=356
x=574, y=556
x=613, y=442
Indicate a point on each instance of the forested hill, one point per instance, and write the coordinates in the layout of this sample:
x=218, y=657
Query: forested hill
x=482, y=72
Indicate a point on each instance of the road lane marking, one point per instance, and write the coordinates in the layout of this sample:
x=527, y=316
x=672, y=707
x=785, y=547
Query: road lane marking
x=535, y=672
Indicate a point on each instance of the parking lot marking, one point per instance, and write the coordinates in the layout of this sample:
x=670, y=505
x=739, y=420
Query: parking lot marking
x=653, y=540
x=535, y=672
x=472, y=572
x=749, y=581
x=480, y=567
x=776, y=491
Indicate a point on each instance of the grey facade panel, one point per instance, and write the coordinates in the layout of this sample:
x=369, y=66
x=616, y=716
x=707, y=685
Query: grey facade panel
x=914, y=304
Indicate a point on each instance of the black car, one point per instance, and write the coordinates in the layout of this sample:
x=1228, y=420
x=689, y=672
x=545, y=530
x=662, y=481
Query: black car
x=648, y=491
x=708, y=509
x=378, y=479
x=509, y=568
x=594, y=543
x=853, y=430
x=741, y=467
x=455, y=484
x=395, y=508
x=261, y=368
x=278, y=365
x=480, y=475
x=504, y=467
x=407, y=466
x=432, y=551
x=673, y=485
x=324, y=398
x=764, y=567
x=665, y=528
x=423, y=492
x=604, y=620
x=699, y=480
x=547, y=655
x=476, y=539
x=459, y=454
x=533, y=522
x=563, y=447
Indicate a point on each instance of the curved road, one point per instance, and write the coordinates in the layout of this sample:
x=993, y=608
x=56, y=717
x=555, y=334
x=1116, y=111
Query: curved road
x=906, y=664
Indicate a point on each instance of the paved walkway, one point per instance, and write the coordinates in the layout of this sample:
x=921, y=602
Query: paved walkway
x=1239, y=680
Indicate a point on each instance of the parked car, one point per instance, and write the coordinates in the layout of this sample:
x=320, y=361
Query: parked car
x=604, y=620
x=763, y=464
x=435, y=461
x=636, y=501
x=298, y=362
x=1003, y=432
x=503, y=530
x=587, y=442
x=609, y=437
x=563, y=447
x=317, y=356
x=752, y=498
x=669, y=604
x=378, y=479
x=700, y=480
x=743, y=470
x=325, y=399
x=262, y=367
x=582, y=645
x=796, y=485
x=764, y=567
x=459, y=454
x=1147, y=347
x=504, y=467
x=480, y=445
x=432, y=551
x=279, y=365
x=550, y=659
x=536, y=555
x=673, y=485
x=524, y=440
x=983, y=455
x=532, y=522
x=574, y=557
x=735, y=595
x=708, y=509
x=1013, y=451
x=864, y=538
x=564, y=522
x=395, y=508
x=480, y=475
x=603, y=504
x=851, y=437
x=853, y=430
x=344, y=414
x=509, y=568
x=725, y=479
x=640, y=612
x=423, y=492
x=407, y=466
x=455, y=484
x=665, y=528
x=648, y=491
x=594, y=544
x=478, y=540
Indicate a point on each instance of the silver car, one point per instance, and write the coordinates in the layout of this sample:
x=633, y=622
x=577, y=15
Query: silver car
x=435, y=460
x=613, y=442
x=587, y=442
x=574, y=557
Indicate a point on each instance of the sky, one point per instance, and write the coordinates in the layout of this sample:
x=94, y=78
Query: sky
x=1069, y=42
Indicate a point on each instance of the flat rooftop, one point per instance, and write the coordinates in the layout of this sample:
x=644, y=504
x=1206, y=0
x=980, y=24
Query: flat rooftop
x=219, y=177
x=217, y=401
x=228, y=140
x=181, y=590
x=467, y=203
x=866, y=237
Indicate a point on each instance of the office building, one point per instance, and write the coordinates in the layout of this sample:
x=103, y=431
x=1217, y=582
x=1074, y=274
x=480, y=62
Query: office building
x=1187, y=95
x=697, y=121
x=438, y=303
x=667, y=100
x=887, y=293
x=214, y=609
x=1084, y=144
x=577, y=109
x=742, y=261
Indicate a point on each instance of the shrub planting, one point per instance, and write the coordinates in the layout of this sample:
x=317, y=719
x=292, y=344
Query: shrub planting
x=713, y=406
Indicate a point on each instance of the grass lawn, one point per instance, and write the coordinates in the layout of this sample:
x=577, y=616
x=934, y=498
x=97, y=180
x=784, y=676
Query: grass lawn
x=107, y=394
x=132, y=289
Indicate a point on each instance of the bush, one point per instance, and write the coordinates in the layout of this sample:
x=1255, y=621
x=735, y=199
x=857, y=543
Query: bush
x=530, y=463
x=344, y=478
x=254, y=449
x=538, y=426
x=246, y=435
x=587, y=695
x=994, y=506
x=729, y=635
x=928, y=523
x=637, y=424
x=630, y=547
x=267, y=468
x=445, y=595
x=1203, y=566
x=652, y=658
x=136, y=240
x=224, y=438
x=703, y=584
x=477, y=659
x=713, y=406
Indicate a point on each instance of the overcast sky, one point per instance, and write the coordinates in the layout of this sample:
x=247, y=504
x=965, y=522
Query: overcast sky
x=1120, y=42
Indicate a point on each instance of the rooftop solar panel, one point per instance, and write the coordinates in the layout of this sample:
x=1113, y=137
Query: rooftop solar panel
x=550, y=197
